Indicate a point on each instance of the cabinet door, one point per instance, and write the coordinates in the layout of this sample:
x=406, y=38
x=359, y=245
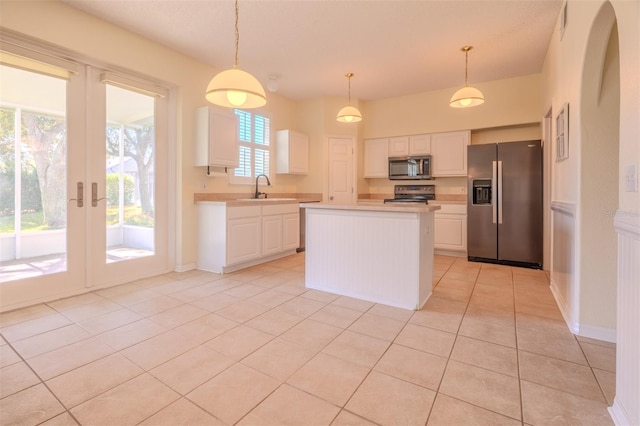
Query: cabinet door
x=243, y=239
x=449, y=153
x=271, y=235
x=216, y=138
x=298, y=153
x=376, y=158
x=399, y=146
x=292, y=152
x=419, y=144
x=450, y=232
x=291, y=225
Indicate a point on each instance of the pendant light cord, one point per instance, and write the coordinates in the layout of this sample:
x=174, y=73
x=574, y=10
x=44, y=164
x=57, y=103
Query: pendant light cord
x=466, y=65
x=235, y=64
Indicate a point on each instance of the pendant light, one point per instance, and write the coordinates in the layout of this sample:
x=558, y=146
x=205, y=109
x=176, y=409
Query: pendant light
x=235, y=88
x=349, y=114
x=467, y=96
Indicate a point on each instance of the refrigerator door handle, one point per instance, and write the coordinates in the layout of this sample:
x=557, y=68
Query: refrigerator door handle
x=500, y=192
x=494, y=178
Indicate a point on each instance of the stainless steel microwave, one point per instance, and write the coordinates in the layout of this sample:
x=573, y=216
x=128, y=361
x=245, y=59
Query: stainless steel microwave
x=410, y=168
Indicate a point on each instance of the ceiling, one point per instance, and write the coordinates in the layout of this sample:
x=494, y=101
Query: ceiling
x=393, y=47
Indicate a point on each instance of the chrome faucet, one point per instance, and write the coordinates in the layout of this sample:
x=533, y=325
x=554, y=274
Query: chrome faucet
x=257, y=194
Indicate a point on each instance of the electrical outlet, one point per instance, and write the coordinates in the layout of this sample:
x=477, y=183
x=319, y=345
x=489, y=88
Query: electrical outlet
x=463, y=190
x=631, y=178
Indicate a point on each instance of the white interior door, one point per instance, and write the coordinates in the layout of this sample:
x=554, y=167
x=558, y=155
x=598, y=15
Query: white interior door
x=341, y=170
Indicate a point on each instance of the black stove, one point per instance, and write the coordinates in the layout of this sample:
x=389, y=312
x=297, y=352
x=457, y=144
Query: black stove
x=412, y=194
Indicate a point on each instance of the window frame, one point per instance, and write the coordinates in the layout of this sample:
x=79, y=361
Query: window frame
x=253, y=146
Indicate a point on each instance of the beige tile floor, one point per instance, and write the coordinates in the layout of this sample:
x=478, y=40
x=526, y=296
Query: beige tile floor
x=257, y=348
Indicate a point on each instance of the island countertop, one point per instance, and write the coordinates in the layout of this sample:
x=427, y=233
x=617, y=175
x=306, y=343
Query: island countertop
x=391, y=207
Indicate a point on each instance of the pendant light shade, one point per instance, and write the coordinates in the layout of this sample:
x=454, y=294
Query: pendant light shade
x=467, y=96
x=234, y=88
x=349, y=114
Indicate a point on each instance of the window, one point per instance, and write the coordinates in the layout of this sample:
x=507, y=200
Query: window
x=255, y=147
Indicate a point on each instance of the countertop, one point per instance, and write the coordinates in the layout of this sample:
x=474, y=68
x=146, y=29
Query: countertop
x=245, y=200
x=395, y=208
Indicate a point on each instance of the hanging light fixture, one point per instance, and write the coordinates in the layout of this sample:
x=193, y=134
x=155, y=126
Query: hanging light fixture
x=467, y=96
x=349, y=114
x=235, y=88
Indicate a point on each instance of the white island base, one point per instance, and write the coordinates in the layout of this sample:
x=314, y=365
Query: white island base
x=382, y=254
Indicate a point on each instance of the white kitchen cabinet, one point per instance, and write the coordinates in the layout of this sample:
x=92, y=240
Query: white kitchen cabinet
x=450, y=224
x=449, y=153
x=399, y=146
x=419, y=144
x=292, y=152
x=280, y=228
x=235, y=237
x=216, y=137
x=243, y=242
x=376, y=158
x=271, y=234
x=291, y=231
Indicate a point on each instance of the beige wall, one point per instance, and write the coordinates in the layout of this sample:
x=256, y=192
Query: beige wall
x=567, y=77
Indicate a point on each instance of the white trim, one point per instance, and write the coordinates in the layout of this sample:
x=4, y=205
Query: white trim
x=598, y=333
x=19, y=46
x=185, y=268
x=627, y=223
x=618, y=414
x=564, y=207
x=134, y=85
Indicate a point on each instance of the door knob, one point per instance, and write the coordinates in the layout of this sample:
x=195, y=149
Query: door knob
x=331, y=198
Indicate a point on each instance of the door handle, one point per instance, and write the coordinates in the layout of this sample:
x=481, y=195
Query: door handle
x=331, y=198
x=94, y=195
x=494, y=179
x=500, y=192
x=79, y=195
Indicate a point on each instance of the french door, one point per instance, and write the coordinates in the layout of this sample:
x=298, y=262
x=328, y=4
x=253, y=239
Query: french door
x=84, y=179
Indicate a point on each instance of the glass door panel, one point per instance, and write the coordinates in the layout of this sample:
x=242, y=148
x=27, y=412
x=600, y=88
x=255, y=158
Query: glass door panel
x=33, y=174
x=130, y=181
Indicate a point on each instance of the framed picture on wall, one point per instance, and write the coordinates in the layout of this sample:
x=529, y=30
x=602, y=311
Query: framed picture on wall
x=562, y=133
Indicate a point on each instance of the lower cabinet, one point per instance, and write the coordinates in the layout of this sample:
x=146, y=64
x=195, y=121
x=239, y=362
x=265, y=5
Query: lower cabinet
x=234, y=237
x=450, y=223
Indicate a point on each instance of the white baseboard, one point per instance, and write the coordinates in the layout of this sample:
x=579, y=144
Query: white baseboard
x=598, y=333
x=185, y=268
x=574, y=327
x=618, y=414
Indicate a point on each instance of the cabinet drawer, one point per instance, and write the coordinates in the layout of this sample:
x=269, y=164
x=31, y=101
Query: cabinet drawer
x=280, y=208
x=238, y=212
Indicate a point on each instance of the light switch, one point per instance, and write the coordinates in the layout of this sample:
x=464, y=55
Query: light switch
x=631, y=178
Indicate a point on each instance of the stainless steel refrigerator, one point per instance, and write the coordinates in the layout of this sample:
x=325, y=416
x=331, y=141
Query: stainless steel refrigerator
x=504, y=214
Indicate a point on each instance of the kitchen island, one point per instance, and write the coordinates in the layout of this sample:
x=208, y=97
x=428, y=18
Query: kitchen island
x=380, y=253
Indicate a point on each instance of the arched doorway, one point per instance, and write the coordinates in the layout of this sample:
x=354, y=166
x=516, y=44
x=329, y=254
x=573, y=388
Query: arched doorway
x=599, y=166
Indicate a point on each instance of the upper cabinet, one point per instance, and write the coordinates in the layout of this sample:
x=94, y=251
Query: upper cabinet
x=419, y=144
x=449, y=153
x=376, y=158
x=399, y=146
x=292, y=152
x=216, y=137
